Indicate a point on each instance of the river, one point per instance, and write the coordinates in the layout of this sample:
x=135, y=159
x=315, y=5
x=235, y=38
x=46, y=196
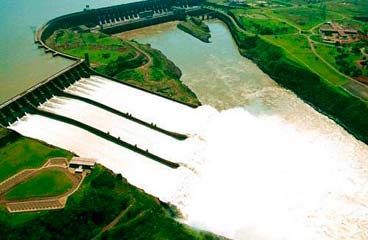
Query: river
x=263, y=165
x=276, y=168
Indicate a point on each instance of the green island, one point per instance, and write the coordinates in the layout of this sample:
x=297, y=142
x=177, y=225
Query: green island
x=105, y=206
x=300, y=44
x=127, y=61
x=196, y=27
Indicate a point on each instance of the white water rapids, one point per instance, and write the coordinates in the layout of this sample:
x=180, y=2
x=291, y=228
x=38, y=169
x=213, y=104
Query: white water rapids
x=242, y=175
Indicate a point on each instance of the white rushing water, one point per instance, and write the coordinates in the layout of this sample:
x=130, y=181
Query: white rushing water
x=149, y=175
x=147, y=107
x=120, y=127
x=245, y=176
x=267, y=166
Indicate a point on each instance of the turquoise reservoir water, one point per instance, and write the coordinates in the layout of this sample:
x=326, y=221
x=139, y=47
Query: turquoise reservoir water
x=22, y=64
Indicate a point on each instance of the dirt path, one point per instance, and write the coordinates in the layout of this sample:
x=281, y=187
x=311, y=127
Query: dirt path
x=145, y=67
x=115, y=221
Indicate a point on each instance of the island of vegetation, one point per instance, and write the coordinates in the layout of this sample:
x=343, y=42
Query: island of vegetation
x=128, y=61
x=287, y=40
x=105, y=206
x=196, y=27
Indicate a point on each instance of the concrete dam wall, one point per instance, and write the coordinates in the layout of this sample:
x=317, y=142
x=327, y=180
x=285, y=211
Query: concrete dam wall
x=122, y=17
x=28, y=101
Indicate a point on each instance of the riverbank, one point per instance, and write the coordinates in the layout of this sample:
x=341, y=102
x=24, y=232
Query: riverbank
x=348, y=111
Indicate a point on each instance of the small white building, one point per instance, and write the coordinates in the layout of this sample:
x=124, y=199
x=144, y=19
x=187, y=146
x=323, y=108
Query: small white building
x=79, y=164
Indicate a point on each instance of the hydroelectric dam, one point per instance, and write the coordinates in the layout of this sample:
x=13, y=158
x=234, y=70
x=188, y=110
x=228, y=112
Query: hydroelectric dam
x=245, y=167
x=84, y=102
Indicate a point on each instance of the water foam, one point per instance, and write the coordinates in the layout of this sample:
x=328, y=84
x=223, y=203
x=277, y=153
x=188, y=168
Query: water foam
x=247, y=176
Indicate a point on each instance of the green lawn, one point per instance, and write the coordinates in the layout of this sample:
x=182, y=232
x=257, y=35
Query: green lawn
x=135, y=74
x=330, y=52
x=349, y=8
x=26, y=153
x=3, y=132
x=305, y=17
x=48, y=183
x=318, y=38
x=101, y=48
x=297, y=48
x=97, y=56
x=257, y=22
x=354, y=24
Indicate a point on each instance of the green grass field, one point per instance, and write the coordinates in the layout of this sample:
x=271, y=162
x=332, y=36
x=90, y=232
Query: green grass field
x=101, y=48
x=26, y=153
x=260, y=23
x=318, y=38
x=305, y=18
x=48, y=183
x=297, y=49
x=349, y=8
x=329, y=52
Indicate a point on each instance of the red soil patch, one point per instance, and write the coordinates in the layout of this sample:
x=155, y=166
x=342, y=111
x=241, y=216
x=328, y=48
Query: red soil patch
x=362, y=79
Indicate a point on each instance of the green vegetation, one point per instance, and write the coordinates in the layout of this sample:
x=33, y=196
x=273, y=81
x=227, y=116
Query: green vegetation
x=195, y=27
x=260, y=23
x=47, y=183
x=128, y=61
x=7, y=136
x=306, y=46
x=305, y=18
x=345, y=59
x=3, y=132
x=349, y=8
x=102, y=197
x=26, y=153
x=297, y=47
x=101, y=48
